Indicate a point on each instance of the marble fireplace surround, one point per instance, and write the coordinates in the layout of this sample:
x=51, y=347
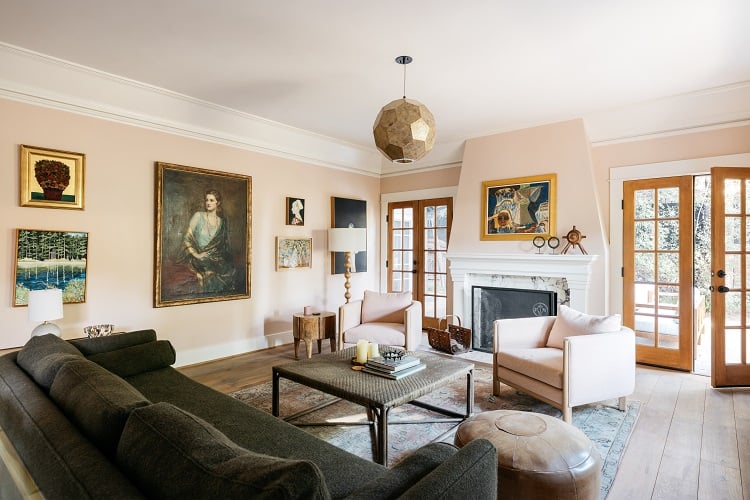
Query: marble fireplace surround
x=568, y=275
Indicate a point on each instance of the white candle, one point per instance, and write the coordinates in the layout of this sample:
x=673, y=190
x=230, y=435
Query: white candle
x=362, y=351
x=308, y=310
x=373, y=351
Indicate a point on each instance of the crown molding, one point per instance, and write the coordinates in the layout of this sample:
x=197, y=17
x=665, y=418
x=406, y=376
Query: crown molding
x=42, y=80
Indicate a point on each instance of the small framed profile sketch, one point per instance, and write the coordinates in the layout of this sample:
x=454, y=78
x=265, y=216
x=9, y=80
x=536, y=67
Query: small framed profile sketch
x=295, y=211
x=51, y=178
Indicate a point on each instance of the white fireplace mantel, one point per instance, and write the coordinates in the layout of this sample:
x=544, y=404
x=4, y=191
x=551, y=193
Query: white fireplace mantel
x=477, y=269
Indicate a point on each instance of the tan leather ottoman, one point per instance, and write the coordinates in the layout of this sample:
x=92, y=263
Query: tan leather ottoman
x=538, y=456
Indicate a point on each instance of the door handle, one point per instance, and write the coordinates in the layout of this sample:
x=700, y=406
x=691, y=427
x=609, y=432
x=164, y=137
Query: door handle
x=723, y=289
x=721, y=273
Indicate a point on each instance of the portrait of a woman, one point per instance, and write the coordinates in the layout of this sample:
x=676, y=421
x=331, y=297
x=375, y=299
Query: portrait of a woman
x=206, y=247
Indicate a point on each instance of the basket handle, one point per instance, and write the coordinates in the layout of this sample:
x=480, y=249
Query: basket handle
x=446, y=320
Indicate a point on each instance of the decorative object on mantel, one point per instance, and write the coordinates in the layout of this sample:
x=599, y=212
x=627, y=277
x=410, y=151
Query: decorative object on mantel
x=540, y=241
x=521, y=208
x=573, y=239
x=404, y=130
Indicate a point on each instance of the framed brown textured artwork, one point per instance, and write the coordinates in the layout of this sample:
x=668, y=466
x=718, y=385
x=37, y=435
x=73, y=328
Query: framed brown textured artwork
x=203, y=235
x=519, y=209
x=51, y=178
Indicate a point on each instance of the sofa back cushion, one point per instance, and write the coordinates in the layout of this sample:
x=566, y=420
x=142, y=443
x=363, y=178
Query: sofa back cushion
x=42, y=357
x=570, y=323
x=136, y=359
x=170, y=453
x=384, y=307
x=96, y=401
x=95, y=345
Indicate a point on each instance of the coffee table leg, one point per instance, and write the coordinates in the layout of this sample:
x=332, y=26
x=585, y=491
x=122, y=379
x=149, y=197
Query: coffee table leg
x=382, y=414
x=275, y=394
x=470, y=393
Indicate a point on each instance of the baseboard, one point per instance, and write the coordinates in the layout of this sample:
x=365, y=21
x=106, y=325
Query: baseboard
x=15, y=480
x=218, y=351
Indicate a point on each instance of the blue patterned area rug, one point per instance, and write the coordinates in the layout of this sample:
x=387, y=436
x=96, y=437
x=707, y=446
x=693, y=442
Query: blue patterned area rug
x=603, y=423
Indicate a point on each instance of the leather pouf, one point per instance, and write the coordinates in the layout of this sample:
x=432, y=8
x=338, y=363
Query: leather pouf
x=538, y=456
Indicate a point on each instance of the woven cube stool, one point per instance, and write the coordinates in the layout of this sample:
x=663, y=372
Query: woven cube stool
x=538, y=456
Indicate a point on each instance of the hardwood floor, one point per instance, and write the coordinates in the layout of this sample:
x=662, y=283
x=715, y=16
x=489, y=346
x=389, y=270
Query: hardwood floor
x=690, y=441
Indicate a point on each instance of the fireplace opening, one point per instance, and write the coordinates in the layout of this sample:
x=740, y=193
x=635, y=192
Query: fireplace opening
x=491, y=303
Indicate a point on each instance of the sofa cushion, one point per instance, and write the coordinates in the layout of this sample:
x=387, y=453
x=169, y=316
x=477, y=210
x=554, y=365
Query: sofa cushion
x=43, y=355
x=380, y=333
x=384, y=307
x=541, y=363
x=570, y=323
x=136, y=359
x=97, y=401
x=170, y=453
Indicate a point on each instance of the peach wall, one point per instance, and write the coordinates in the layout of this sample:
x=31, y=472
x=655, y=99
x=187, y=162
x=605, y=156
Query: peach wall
x=720, y=142
x=119, y=217
x=421, y=180
x=560, y=148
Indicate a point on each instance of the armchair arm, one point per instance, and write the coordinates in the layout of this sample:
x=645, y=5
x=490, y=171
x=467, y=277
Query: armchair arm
x=599, y=366
x=350, y=315
x=522, y=333
x=413, y=326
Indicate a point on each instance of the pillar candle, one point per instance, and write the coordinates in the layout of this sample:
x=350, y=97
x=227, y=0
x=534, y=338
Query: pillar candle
x=308, y=310
x=373, y=351
x=362, y=351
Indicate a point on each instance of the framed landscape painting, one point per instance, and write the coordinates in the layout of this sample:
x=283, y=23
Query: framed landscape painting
x=519, y=209
x=293, y=253
x=51, y=178
x=50, y=259
x=203, y=235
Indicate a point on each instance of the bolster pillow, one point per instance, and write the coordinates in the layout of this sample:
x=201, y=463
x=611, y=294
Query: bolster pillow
x=136, y=359
x=95, y=345
x=172, y=454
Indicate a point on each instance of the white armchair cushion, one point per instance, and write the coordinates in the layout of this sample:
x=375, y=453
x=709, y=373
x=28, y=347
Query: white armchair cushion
x=384, y=307
x=543, y=363
x=379, y=333
x=570, y=323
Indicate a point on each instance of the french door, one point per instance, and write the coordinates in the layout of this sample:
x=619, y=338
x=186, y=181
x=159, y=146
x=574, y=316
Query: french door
x=418, y=234
x=658, y=269
x=730, y=276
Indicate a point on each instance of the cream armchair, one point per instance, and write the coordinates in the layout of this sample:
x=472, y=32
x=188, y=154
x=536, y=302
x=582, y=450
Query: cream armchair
x=384, y=318
x=566, y=360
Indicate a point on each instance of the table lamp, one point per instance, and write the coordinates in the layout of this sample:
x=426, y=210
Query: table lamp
x=46, y=305
x=349, y=240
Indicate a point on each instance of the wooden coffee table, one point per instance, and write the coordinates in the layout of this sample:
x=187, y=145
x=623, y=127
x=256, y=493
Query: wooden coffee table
x=333, y=374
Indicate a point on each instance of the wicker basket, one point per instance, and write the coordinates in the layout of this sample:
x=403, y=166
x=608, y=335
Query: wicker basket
x=455, y=339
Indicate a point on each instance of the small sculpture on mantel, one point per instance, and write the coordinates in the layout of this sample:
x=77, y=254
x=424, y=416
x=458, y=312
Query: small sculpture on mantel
x=573, y=239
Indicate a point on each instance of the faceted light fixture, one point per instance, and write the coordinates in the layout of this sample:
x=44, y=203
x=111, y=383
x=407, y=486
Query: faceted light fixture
x=404, y=129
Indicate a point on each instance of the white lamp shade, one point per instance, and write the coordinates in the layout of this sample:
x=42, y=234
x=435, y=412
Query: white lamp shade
x=45, y=305
x=347, y=239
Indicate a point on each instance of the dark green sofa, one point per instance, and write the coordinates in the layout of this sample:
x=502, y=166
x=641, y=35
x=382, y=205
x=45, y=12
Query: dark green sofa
x=110, y=418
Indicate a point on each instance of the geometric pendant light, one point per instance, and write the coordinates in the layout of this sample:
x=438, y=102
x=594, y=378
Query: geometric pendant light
x=404, y=130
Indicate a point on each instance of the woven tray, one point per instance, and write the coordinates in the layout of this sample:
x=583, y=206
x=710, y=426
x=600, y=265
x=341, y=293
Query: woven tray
x=455, y=339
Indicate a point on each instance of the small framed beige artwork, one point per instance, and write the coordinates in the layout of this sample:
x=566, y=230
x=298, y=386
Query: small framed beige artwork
x=51, y=178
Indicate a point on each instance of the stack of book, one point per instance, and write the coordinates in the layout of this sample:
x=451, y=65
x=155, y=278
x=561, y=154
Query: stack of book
x=393, y=368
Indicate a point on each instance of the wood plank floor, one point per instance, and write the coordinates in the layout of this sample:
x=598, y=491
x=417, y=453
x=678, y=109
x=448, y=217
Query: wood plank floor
x=690, y=441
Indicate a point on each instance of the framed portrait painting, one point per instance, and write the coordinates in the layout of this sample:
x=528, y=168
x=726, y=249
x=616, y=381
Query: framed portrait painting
x=295, y=211
x=50, y=259
x=203, y=235
x=293, y=253
x=346, y=212
x=51, y=178
x=519, y=209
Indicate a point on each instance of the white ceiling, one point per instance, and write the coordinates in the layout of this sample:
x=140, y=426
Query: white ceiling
x=327, y=66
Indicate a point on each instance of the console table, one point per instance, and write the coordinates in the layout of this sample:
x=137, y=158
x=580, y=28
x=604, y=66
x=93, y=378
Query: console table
x=311, y=327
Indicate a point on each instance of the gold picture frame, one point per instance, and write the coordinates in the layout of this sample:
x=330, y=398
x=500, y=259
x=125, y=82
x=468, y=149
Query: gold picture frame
x=51, y=178
x=521, y=208
x=203, y=235
x=293, y=253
